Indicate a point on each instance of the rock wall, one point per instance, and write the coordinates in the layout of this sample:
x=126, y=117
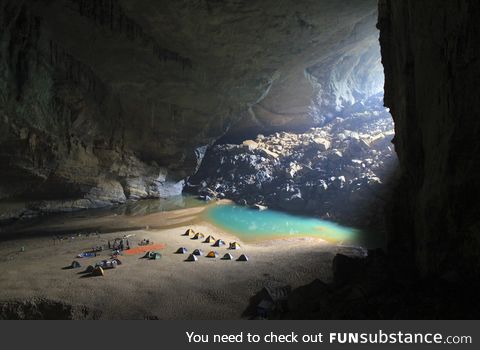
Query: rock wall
x=64, y=135
x=430, y=55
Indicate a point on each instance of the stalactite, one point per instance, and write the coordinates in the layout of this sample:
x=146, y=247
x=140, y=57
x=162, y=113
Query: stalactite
x=74, y=70
x=109, y=14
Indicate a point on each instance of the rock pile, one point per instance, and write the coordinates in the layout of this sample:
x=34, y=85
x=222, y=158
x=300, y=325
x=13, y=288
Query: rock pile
x=331, y=171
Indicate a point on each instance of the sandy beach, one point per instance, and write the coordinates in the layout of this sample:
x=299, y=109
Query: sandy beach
x=169, y=288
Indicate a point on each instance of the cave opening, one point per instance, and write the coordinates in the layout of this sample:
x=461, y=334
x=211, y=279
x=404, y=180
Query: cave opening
x=330, y=158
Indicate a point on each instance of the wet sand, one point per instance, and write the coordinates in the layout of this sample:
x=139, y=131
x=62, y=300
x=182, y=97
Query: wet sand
x=169, y=288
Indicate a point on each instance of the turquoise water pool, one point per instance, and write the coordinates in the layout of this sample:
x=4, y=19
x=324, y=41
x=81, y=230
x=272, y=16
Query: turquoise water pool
x=254, y=225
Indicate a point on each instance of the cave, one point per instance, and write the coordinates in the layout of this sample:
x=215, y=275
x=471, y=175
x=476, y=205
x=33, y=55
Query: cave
x=209, y=159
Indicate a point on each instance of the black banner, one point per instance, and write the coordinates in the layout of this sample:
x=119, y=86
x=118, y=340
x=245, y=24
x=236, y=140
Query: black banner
x=240, y=334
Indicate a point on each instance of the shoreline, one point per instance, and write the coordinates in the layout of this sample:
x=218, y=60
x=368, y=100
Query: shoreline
x=104, y=222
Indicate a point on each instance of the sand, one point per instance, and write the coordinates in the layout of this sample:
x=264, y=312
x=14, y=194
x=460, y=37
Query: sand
x=169, y=288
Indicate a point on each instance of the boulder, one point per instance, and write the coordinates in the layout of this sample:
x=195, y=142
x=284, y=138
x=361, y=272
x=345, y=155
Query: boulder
x=347, y=269
x=323, y=144
x=250, y=144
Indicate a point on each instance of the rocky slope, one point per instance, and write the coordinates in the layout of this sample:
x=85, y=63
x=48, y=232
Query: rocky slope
x=106, y=101
x=337, y=171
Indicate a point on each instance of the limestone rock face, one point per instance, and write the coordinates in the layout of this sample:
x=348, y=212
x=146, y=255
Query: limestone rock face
x=430, y=54
x=103, y=97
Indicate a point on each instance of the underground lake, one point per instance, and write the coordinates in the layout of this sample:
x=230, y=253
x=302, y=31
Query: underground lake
x=256, y=225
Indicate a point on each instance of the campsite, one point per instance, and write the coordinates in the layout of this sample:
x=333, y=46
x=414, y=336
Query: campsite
x=155, y=280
